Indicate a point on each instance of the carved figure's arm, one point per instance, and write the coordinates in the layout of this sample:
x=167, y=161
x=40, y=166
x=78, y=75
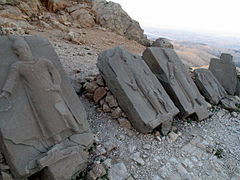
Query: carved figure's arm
x=56, y=78
x=11, y=81
x=170, y=70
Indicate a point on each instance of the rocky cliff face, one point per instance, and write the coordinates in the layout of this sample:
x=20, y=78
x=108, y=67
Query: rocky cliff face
x=61, y=14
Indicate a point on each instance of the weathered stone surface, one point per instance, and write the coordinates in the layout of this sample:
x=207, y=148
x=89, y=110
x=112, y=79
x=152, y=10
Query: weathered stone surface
x=231, y=103
x=118, y=172
x=111, y=15
x=96, y=172
x=83, y=17
x=163, y=43
x=173, y=75
x=209, y=86
x=99, y=94
x=139, y=93
x=38, y=108
x=55, y=5
x=225, y=72
x=10, y=2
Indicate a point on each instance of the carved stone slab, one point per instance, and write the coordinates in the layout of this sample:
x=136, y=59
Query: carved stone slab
x=38, y=106
x=209, y=86
x=173, y=75
x=225, y=72
x=137, y=90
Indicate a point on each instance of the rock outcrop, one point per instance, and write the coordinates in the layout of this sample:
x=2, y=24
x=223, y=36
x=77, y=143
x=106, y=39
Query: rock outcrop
x=137, y=90
x=110, y=15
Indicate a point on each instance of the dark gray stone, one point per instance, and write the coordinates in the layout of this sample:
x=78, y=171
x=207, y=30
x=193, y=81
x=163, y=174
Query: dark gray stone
x=173, y=75
x=209, y=86
x=163, y=43
x=225, y=72
x=39, y=109
x=230, y=103
x=136, y=89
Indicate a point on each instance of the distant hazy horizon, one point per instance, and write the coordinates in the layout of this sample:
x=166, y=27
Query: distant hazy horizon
x=214, y=16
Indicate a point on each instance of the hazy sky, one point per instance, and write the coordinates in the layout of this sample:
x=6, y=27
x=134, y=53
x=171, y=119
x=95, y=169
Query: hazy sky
x=217, y=16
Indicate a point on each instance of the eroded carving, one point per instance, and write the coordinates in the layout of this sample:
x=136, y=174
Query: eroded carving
x=42, y=84
x=137, y=90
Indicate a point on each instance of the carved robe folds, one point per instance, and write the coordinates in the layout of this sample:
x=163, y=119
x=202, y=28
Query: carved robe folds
x=46, y=126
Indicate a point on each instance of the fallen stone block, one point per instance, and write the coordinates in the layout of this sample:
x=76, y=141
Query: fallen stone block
x=173, y=75
x=38, y=109
x=209, y=86
x=137, y=90
x=225, y=72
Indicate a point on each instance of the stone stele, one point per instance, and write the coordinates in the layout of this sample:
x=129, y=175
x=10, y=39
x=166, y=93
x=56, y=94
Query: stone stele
x=173, y=75
x=136, y=89
x=42, y=121
x=209, y=86
x=225, y=72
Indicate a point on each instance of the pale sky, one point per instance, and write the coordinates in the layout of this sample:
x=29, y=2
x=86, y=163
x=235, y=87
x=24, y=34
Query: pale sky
x=214, y=16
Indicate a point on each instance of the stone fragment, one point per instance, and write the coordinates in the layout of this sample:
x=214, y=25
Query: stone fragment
x=162, y=43
x=136, y=157
x=225, y=72
x=96, y=172
x=112, y=102
x=100, y=80
x=90, y=87
x=172, y=137
x=209, y=86
x=99, y=93
x=146, y=146
x=173, y=75
x=124, y=123
x=229, y=104
x=118, y=172
x=139, y=93
x=166, y=127
x=40, y=111
x=83, y=17
x=106, y=108
x=55, y=5
x=116, y=113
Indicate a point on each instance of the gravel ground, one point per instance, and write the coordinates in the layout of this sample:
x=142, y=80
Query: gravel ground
x=195, y=150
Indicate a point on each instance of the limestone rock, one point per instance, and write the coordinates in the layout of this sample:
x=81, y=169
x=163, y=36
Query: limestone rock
x=55, y=5
x=38, y=120
x=9, y=2
x=111, y=100
x=111, y=15
x=97, y=171
x=163, y=43
x=83, y=17
x=99, y=94
x=209, y=86
x=173, y=75
x=139, y=93
x=118, y=172
x=116, y=113
x=225, y=72
x=124, y=123
x=90, y=87
x=231, y=103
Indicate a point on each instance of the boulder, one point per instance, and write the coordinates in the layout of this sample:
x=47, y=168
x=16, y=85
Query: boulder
x=43, y=123
x=173, y=75
x=137, y=90
x=83, y=17
x=111, y=15
x=9, y=2
x=55, y=5
x=209, y=86
x=163, y=43
x=225, y=72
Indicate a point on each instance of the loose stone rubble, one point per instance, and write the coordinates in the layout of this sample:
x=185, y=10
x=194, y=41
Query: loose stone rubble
x=172, y=73
x=225, y=72
x=43, y=124
x=209, y=86
x=139, y=93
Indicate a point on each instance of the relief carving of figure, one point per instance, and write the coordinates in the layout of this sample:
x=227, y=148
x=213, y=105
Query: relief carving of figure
x=42, y=85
